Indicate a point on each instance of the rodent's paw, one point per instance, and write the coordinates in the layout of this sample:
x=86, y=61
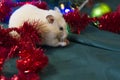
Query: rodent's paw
x=65, y=43
x=62, y=43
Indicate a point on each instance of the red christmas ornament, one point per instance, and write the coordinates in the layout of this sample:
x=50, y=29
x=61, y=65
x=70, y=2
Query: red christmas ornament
x=29, y=34
x=7, y=43
x=76, y=21
x=3, y=77
x=1, y=63
x=110, y=21
x=22, y=76
x=31, y=59
x=15, y=77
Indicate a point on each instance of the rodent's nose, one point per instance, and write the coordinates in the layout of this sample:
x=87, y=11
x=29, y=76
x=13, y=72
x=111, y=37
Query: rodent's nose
x=61, y=28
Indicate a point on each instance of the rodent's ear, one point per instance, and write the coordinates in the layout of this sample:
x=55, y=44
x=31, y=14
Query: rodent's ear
x=57, y=9
x=50, y=18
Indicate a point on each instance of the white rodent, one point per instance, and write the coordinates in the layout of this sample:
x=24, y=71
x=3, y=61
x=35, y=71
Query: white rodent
x=53, y=29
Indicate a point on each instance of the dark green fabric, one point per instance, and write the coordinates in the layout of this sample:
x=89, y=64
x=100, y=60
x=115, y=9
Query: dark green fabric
x=92, y=55
x=92, y=36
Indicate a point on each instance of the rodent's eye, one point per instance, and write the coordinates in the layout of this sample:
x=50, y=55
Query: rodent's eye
x=61, y=28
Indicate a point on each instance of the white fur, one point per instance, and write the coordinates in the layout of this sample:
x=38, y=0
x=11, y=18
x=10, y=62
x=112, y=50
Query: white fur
x=14, y=34
x=51, y=34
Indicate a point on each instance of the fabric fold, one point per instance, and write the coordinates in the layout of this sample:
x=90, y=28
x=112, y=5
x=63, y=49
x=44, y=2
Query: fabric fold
x=92, y=36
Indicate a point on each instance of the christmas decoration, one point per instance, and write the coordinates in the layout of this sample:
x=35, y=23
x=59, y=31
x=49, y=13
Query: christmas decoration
x=75, y=3
x=110, y=21
x=99, y=9
x=68, y=6
x=31, y=59
x=77, y=21
x=65, y=7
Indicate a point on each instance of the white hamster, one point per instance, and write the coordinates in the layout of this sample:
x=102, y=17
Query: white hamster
x=53, y=28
